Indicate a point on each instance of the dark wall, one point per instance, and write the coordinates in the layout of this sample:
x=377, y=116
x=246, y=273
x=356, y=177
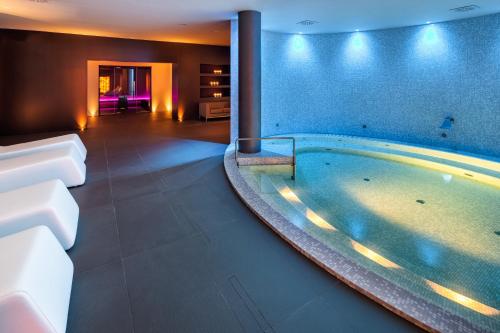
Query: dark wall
x=43, y=76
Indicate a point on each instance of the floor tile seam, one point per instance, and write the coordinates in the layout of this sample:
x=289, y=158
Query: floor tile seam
x=134, y=196
x=156, y=246
x=129, y=305
x=193, y=224
x=202, y=230
x=129, y=298
x=148, y=167
x=78, y=274
x=113, y=204
x=297, y=310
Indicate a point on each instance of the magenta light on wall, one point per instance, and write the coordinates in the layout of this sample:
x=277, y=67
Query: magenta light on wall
x=130, y=98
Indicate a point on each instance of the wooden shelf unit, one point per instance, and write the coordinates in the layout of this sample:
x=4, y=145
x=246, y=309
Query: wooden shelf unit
x=210, y=73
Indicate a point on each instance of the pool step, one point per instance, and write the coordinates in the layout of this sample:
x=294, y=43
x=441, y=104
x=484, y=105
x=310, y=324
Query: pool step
x=264, y=158
x=272, y=155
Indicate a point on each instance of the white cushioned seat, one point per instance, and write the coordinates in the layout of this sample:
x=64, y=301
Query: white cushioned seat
x=48, y=203
x=35, y=283
x=63, y=163
x=44, y=145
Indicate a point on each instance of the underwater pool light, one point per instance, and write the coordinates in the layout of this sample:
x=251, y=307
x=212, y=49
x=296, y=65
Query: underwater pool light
x=463, y=300
x=288, y=194
x=311, y=215
x=318, y=220
x=372, y=255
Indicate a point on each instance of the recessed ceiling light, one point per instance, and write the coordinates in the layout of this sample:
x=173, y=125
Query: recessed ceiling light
x=39, y=1
x=357, y=30
x=307, y=22
x=428, y=22
x=467, y=8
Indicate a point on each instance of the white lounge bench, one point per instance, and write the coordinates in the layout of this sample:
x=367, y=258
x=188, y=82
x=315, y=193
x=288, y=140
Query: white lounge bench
x=44, y=145
x=48, y=203
x=35, y=283
x=63, y=163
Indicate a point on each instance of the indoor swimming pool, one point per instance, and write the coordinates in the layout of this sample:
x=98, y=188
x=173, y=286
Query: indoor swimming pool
x=423, y=220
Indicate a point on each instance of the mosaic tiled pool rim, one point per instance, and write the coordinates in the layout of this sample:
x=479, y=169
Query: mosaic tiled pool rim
x=402, y=302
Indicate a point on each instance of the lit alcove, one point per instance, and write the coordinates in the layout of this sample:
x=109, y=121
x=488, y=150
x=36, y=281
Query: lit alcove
x=114, y=87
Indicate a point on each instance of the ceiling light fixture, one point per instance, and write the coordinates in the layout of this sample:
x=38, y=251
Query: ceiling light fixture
x=307, y=22
x=463, y=9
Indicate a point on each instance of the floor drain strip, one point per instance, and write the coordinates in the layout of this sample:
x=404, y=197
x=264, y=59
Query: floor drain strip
x=245, y=308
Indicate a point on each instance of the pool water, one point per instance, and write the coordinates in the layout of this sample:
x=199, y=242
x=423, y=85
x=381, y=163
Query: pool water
x=433, y=232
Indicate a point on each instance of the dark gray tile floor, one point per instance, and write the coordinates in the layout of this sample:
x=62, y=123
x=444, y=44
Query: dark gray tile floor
x=164, y=244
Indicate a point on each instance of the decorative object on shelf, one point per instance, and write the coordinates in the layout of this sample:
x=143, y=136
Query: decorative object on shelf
x=215, y=89
x=104, y=84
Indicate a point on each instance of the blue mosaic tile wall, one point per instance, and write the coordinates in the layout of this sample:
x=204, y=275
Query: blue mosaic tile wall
x=399, y=83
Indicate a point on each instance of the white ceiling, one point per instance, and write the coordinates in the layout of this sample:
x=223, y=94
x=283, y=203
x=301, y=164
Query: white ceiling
x=206, y=21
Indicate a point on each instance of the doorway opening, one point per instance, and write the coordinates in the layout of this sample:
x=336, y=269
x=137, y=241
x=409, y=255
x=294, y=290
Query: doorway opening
x=124, y=89
x=120, y=87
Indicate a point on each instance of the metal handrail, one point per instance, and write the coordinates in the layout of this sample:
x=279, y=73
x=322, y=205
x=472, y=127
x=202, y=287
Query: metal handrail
x=294, y=158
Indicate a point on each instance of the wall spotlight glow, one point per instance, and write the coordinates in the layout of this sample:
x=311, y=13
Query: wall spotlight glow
x=357, y=50
x=180, y=114
x=431, y=41
x=298, y=43
x=81, y=122
x=298, y=47
x=430, y=36
x=357, y=41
